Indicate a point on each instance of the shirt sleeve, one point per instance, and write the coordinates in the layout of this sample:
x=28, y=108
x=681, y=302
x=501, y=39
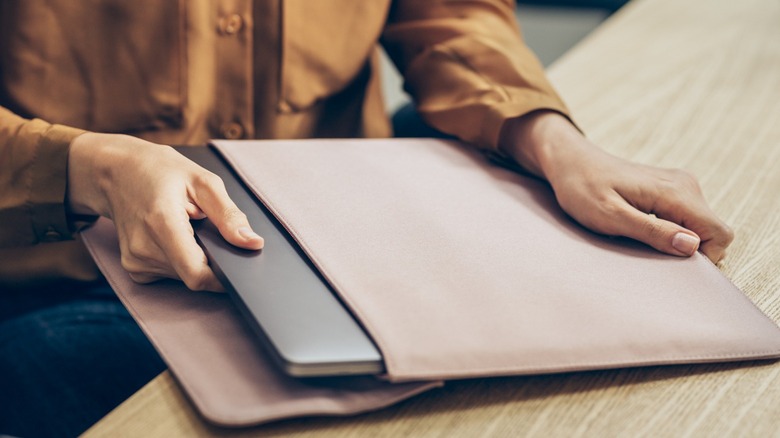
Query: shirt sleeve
x=33, y=177
x=466, y=67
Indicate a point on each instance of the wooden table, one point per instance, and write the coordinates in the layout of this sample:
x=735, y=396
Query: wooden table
x=693, y=84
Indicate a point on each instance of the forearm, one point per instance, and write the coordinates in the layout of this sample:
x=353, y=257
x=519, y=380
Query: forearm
x=35, y=236
x=33, y=168
x=466, y=66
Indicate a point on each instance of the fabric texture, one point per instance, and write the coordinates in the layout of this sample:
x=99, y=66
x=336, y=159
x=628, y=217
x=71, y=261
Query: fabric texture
x=36, y=243
x=459, y=268
x=212, y=353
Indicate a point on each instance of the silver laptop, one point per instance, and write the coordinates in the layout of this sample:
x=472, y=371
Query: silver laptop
x=295, y=315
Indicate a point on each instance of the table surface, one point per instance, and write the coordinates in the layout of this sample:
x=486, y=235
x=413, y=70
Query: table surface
x=691, y=84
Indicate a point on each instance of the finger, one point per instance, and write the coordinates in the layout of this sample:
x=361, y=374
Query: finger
x=142, y=258
x=212, y=199
x=194, y=211
x=715, y=235
x=145, y=271
x=176, y=239
x=714, y=251
x=146, y=278
x=661, y=234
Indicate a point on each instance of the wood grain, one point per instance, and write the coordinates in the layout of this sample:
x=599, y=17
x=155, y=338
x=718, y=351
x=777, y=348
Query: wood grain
x=692, y=84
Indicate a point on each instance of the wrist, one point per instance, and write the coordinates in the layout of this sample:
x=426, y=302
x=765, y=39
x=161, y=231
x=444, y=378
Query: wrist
x=86, y=178
x=540, y=141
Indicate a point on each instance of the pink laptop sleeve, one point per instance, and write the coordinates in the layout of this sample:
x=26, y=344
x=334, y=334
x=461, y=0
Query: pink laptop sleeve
x=456, y=267
x=459, y=268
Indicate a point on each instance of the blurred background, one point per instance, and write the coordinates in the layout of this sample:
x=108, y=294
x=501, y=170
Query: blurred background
x=550, y=28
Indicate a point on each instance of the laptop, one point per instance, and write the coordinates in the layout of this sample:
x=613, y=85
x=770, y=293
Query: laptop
x=296, y=316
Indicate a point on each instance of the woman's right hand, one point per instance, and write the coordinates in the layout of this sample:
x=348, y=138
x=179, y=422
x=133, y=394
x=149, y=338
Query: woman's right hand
x=151, y=192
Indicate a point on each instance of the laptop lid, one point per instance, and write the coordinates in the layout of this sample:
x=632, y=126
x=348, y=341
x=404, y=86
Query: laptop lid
x=293, y=311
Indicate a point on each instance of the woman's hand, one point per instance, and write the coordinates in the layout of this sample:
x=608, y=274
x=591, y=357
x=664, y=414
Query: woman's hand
x=663, y=208
x=151, y=192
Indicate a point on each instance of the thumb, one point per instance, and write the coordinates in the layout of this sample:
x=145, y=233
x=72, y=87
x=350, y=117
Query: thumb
x=234, y=227
x=661, y=234
x=231, y=222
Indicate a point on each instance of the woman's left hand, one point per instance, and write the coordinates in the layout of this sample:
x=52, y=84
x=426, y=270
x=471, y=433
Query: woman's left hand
x=664, y=208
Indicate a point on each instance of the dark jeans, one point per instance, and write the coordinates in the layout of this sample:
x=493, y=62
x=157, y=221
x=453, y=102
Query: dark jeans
x=67, y=358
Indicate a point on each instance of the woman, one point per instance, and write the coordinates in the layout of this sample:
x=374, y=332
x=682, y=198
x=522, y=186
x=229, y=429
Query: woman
x=90, y=90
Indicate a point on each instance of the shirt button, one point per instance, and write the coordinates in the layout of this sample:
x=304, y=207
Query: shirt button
x=231, y=131
x=231, y=24
x=52, y=235
x=284, y=107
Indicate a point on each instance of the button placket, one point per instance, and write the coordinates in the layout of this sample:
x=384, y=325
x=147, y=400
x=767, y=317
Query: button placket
x=233, y=108
x=231, y=24
x=232, y=131
x=285, y=107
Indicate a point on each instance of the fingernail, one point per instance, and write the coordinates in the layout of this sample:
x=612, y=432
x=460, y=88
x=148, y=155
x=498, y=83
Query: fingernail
x=248, y=234
x=685, y=243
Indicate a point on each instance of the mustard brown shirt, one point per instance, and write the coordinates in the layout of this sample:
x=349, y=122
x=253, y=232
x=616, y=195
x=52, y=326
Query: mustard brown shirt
x=181, y=72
